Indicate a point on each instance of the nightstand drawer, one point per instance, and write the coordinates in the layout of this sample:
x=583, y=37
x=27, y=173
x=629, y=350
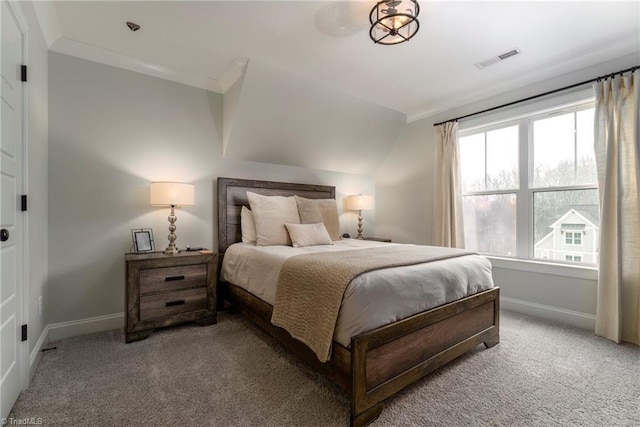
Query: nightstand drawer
x=172, y=278
x=170, y=303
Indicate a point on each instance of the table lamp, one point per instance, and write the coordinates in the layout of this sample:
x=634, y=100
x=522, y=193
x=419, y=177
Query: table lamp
x=174, y=194
x=359, y=203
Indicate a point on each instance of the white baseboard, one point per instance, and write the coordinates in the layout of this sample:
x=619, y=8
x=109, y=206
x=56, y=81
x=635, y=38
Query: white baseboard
x=575, y=318
x=74, y=328
x=36, y=353
x=57, y=331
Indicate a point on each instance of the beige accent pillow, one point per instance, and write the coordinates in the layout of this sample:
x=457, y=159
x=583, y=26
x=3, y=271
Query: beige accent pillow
x=270, y=214
x=308, y=234
x=313, y=211
x=247, y=225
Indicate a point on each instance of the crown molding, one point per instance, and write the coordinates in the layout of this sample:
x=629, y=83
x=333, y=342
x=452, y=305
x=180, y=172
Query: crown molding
x=50, y=26
x=234, y=71
x=48, y=21
x=108, y=57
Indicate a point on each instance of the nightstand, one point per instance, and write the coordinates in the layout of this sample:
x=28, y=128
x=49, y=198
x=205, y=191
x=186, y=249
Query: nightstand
x=378, y=239
x=164, y=290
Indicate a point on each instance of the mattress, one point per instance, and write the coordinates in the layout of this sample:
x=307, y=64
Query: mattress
x=372, y=299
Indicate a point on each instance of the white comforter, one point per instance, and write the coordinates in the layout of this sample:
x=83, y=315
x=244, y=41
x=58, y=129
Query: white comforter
x=372, y=299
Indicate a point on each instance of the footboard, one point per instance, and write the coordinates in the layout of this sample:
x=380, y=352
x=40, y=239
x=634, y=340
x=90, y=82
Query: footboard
x=384, y=361
x=388, y=359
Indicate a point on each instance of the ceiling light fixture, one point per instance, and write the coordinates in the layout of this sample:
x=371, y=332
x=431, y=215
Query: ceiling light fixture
x=394, y=21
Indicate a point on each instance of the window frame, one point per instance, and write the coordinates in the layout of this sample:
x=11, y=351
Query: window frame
x=524, y=117
x=573, y=235
x=572, y=258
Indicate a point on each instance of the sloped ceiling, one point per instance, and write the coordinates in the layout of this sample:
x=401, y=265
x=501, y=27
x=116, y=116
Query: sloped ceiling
x=276, y=116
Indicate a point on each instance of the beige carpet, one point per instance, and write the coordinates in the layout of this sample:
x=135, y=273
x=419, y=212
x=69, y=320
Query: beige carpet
x=231, y=374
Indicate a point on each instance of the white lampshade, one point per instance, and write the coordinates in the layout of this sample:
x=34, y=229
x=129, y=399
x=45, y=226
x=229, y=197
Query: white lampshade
x=359, y=203
x=172, y=194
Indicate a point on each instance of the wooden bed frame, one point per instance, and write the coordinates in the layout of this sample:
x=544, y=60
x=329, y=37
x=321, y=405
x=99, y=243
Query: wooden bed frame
x=381, y=362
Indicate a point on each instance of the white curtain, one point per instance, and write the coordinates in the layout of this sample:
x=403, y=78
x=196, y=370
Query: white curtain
x=617, y=123
x=448, y=229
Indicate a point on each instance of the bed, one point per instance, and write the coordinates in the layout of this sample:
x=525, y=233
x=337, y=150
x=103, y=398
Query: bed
x=377, y=363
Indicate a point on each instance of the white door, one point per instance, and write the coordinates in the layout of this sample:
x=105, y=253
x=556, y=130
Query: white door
x=11, y=243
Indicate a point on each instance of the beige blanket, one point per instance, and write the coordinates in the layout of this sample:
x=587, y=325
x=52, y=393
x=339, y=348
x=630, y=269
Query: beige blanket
x=311, y=287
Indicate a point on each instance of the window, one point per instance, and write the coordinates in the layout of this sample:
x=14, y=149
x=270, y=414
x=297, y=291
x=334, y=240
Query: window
x=573, y=238
x=489, y=165
x=530, y=185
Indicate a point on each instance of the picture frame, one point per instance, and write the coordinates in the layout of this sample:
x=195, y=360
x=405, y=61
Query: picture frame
x=143, y=240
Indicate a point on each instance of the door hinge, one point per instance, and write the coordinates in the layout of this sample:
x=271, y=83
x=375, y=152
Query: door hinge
x=24, y=332
x=23, y=203
x=23, y=73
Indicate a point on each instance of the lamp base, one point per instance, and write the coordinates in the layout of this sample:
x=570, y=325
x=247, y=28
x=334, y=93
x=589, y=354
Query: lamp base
x=360, y=236
x=172, y=249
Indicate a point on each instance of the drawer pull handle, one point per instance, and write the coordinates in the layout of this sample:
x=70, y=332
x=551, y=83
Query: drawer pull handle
x=173, y=278
x=172, y=303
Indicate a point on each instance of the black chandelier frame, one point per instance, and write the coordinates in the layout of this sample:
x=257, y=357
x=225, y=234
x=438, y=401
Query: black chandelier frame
x=376, y=18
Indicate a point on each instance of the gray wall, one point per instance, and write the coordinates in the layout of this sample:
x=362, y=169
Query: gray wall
x=114, y=131
x=36, y=173
x=404, y=207
x=282, y=117
x=404, y=186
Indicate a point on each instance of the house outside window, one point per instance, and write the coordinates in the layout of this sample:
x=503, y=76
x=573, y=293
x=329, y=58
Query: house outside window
x=530, y=185
x=576, y=230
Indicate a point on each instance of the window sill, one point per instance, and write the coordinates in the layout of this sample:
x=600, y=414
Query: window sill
x=541, y=267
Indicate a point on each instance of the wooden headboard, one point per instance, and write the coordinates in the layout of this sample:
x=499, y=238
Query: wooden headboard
x=232, y=195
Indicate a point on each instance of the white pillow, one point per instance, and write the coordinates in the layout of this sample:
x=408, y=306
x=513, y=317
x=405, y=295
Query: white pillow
x=270, y=214
x=320, y=210
x=308, y=234
x=247, y=225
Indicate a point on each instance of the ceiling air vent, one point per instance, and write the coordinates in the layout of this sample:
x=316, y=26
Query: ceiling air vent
x=497, y=58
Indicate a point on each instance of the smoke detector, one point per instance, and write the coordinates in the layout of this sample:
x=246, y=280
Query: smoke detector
x=133, y=26
x=497, y=58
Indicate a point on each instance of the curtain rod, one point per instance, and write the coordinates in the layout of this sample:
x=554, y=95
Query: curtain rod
x=597, y=79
